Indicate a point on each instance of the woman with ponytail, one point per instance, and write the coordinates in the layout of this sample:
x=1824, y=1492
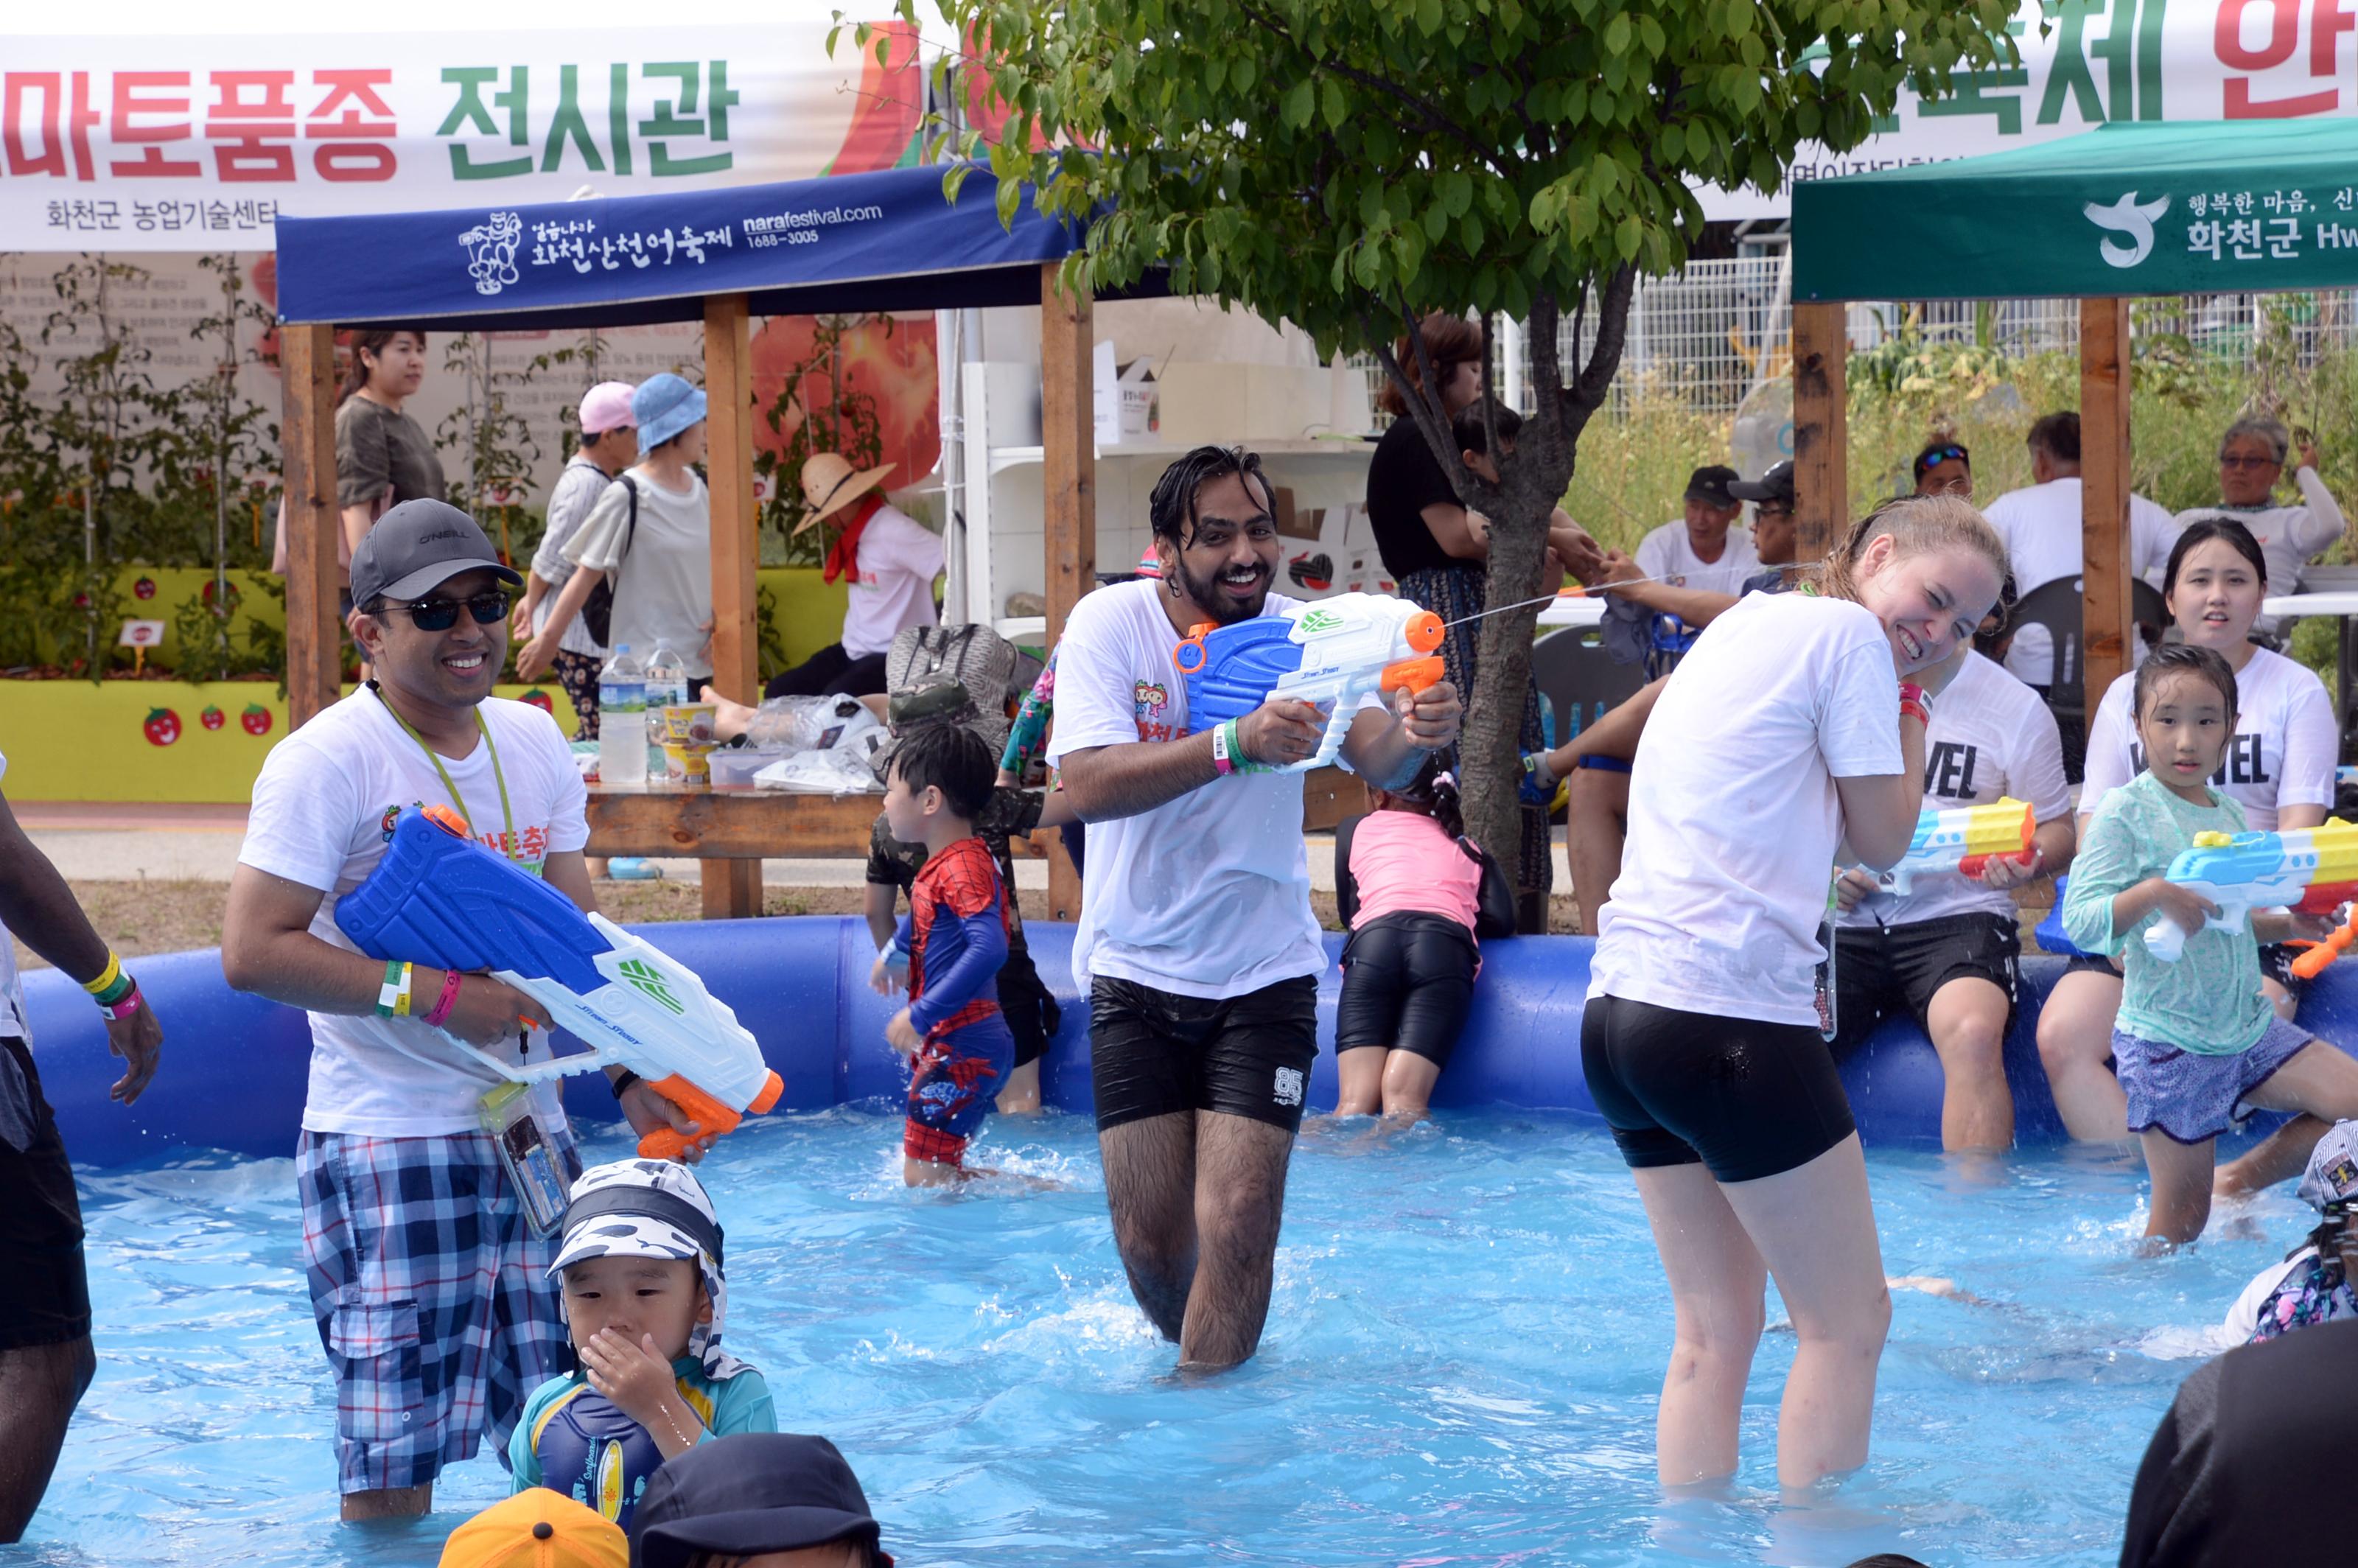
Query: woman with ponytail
x=1788, y=741
x=383, y=455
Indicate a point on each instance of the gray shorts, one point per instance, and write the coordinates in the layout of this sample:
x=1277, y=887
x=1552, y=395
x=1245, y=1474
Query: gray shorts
x=2194, y=1097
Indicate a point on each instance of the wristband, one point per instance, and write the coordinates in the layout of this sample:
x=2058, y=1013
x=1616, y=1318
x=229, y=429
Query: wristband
x=393, y=997
x=115, y=993
x=1223, y=747
x=448, y=1000
x=621, y=1084
x=107, y=976
x=1907, y=708
x=132, y=1002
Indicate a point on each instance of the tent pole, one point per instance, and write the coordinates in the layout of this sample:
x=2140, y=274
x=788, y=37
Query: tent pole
x=314, y=638
x=1068, y=466
x=732, y=889
x=2104, y=493
x=1821, y=425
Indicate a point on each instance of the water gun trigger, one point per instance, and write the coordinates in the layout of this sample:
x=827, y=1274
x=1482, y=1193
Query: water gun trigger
x=1416, y=676
x=712, y=1118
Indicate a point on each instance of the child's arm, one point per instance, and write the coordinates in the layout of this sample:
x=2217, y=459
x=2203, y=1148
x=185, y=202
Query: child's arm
x=883, y=901
x=1615, y=735
x=744, y=1404
x=1056, y=811
x=2289, y=925
x=975, y=971
x=2112, y=891
x=639, y=1382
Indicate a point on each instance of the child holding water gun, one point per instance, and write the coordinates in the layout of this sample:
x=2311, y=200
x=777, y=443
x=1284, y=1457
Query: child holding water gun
x=952, y=942
x=644, y=1299
x=2196, y=1040
x=1409, y=967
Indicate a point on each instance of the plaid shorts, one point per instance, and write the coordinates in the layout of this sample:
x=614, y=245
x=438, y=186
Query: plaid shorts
x=432, y=1298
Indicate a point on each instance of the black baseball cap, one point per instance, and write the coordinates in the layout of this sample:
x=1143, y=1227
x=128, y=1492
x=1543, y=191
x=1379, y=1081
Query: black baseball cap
x=749, y=1494
x=416, y=547
x=1709, y=485
x=1777, y=484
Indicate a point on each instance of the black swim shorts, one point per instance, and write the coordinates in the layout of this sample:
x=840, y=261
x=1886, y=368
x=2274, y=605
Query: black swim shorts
x=44, y=1292
x=1746, y=1098
x=1032, y=1015
x=1408, y=981
x=1882, y=970
x=1152, y=1053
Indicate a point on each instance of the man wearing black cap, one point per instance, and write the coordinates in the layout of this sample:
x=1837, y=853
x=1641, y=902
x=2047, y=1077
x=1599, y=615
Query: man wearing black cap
x=427, y=1284
x=1704, y=549
x=763, y=1499
x=1773, y=537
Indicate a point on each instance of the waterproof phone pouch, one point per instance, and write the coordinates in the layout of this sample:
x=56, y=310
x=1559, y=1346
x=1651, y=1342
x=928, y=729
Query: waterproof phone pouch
x=526, y=1122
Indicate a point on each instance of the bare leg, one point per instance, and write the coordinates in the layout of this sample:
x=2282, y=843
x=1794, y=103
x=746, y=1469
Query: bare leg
x=2321, y=1082
x=1359, y=1077
x=1407, y=1087
x=1149, y=1176
x=728, y=719
x=1020, y=1097
x=2282, y=1154
x=2076, y=1041
x=2181, y=1188
x=1815, y=1226
x=1594, y=814
x=400, y=1502
x=1240, y=1207
x=39, y=1386
x=1716, y=1284
x=1968, y=1026
x=930, y=1173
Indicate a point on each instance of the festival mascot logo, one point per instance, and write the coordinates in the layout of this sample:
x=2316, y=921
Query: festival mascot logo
x=491, y=251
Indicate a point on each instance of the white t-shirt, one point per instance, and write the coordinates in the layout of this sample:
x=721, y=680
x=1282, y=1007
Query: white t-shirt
x=1733, y=815
x=1669, y=554
x=898, y=559
x=13, y=1018
x=2288, y=535
x=2282, y=753
x=2041, y=526
x=664, y=590
x=1206, y=895
x=323, y=811
x=1991, y=737
x=578, y=490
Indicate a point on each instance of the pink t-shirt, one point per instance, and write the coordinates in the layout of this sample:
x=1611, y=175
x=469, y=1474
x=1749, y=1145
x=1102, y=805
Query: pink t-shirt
x=1403, y=862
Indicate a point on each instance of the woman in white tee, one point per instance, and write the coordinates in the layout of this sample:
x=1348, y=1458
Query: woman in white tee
x=2280, y=768
x=1790, y=740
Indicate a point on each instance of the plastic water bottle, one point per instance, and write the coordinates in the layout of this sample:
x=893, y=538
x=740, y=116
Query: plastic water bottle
x=667, y=685
x=622, y=719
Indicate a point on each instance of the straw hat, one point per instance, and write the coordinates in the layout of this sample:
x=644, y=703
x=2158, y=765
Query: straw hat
x=829, y=485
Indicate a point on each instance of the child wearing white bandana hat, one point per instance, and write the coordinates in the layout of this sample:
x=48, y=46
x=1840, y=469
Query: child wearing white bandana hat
x=2317, y=1283
x=644, y=1299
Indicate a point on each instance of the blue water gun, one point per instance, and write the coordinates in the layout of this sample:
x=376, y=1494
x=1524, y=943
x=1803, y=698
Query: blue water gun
x=440, y=898
x=1332, y=655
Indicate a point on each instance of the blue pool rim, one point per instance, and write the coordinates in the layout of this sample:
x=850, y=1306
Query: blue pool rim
x=234, y=1067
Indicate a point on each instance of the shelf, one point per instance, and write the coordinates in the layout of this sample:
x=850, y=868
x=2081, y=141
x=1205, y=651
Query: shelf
x=1344, y=449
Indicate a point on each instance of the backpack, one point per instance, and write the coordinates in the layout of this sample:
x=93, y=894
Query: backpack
x=973, y=655
x=598, y=610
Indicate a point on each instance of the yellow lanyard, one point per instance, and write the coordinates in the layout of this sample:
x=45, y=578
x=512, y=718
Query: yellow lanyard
x=508, y=843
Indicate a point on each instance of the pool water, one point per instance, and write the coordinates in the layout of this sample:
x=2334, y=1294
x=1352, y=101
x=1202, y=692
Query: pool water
x=1463, y=1356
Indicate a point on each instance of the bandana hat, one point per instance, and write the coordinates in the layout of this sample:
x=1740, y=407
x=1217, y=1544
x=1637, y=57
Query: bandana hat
x=651, y=1209
x=2333, y=1174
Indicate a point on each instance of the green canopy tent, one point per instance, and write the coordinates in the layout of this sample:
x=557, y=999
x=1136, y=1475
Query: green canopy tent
x=2126, y=209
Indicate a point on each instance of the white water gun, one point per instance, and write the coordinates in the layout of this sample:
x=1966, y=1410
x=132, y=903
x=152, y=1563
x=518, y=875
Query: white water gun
x=1333, y=654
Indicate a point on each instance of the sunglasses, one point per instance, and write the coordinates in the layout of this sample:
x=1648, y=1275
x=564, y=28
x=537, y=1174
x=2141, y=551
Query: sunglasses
x=441, y=614
x=1934, y=457
x=2249, y=461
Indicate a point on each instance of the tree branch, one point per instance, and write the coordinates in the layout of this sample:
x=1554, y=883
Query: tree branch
x=1423, y=109
x=1612, y=328
x=1424, y=402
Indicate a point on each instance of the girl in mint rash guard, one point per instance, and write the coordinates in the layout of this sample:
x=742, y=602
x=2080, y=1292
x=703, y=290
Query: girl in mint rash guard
x=2196, y=1040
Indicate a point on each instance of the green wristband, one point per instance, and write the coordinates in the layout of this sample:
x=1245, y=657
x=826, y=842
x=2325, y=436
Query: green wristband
x=115, y=990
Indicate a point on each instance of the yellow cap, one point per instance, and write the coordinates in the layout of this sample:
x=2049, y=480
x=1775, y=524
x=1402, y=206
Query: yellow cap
x=537, y=1528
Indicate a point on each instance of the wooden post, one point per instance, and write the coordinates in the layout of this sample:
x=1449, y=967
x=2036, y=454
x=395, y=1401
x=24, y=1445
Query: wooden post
x=732, y=889
x=2104, y=612
x=1820, y=427
x=1069, y=477
x=315, y=649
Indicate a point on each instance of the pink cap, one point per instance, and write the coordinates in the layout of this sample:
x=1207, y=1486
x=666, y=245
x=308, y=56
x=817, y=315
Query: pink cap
x=607, y=407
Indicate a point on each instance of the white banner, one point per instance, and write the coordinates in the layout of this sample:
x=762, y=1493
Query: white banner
x=2087, y=62
x=198, y=143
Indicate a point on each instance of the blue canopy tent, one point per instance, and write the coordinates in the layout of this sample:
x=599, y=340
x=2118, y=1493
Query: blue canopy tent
x=890, y=241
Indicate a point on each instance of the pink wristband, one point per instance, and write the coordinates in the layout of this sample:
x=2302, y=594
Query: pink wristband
x=130, y=1002
x=445, y=1001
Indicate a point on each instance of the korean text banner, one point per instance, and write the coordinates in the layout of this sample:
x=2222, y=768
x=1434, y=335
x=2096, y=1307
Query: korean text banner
x=126, y=144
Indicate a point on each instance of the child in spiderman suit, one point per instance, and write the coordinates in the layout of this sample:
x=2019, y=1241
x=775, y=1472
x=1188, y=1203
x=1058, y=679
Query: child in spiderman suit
x=952, y=941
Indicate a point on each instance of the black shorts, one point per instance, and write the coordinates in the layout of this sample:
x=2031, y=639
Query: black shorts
x=1883, y=970
x=2090, y=963
x=44, y=1291
x=2276, y=963
x=1032, y=1015
x=1408, y=981
x=1746, y=1098
x=1152, y=1053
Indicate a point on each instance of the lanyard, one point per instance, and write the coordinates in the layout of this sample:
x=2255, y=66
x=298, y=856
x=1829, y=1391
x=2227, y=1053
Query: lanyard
x=508, y=844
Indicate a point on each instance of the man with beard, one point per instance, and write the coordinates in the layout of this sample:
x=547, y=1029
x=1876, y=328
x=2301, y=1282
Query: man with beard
x=1195, y=939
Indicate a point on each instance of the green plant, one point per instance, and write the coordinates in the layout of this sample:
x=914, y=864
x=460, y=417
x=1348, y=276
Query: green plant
x=845, y=420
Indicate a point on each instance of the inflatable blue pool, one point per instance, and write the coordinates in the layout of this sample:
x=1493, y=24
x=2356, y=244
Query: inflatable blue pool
x=235, y=1066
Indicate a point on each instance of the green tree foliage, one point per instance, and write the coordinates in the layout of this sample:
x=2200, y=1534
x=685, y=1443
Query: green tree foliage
x=1351, y=165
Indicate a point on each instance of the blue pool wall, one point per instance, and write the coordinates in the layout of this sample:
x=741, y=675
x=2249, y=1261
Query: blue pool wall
x=235, y=1066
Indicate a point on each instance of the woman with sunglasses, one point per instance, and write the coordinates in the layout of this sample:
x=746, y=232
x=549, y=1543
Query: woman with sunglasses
x=2251, y=462
x=1944, y=468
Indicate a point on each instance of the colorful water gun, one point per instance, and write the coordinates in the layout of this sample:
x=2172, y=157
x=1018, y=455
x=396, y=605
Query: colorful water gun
x=2312, y=869
x=1963, y=839
x=440, y=898
x=1332, y=654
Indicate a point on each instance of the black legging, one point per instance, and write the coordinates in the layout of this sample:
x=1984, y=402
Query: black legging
x=828, y=672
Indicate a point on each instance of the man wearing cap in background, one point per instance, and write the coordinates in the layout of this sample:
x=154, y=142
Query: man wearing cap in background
x=428, y=1286
x=609, y=442
x=887, y=562
x=766, y=1498
x=1705, y=549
